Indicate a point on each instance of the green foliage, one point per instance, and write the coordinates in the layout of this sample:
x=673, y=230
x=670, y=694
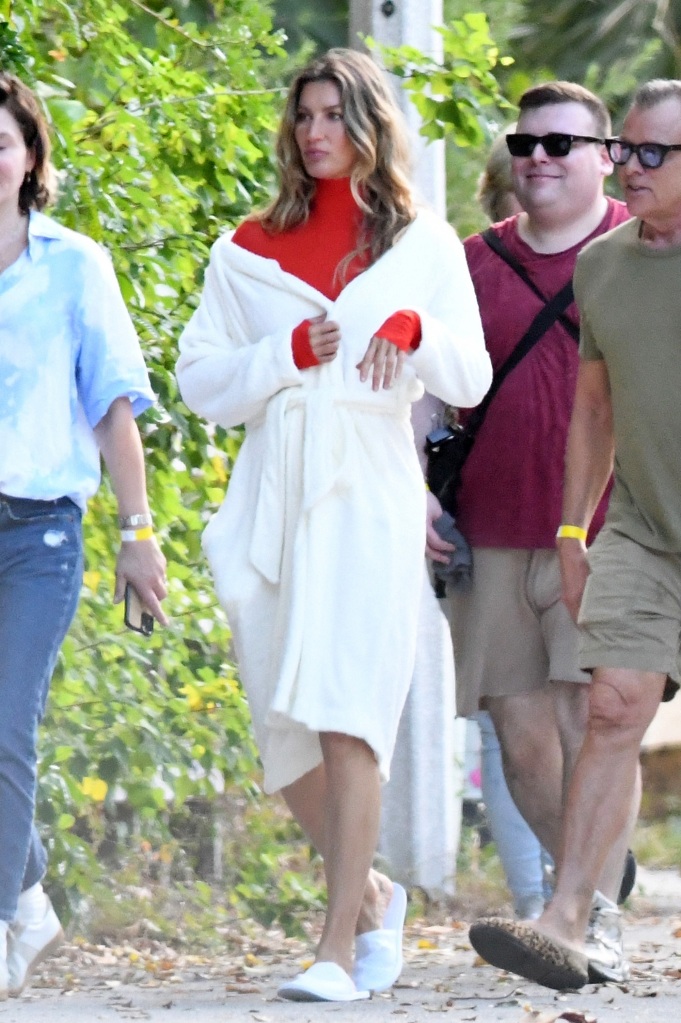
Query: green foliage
x=274, y=858
x=322, y=24
x=162, y=135
x=458, y=96
x=609, y=47
x=657, y=844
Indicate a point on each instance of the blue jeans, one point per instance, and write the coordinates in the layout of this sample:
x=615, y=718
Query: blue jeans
x=41, y=570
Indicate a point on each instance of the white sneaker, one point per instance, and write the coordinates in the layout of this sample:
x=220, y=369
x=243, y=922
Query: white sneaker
x=28, y=945
x=603, y=945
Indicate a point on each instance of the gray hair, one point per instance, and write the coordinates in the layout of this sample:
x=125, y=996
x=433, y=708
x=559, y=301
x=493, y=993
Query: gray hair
x=657, y=91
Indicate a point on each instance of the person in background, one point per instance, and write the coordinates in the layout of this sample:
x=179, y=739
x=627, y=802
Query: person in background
x=72, y=378
x=515, y=644
x=495, y=192
x=625, y=591
x=320, y=321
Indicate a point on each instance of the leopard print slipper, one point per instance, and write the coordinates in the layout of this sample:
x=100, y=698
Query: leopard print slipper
x=515, y=946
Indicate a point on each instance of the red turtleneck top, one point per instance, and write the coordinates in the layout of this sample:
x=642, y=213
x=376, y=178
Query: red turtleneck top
x=312, y=252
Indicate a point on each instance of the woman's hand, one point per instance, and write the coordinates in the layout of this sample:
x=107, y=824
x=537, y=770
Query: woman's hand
x=383, y=361
x=324, y=338
x=141, y=563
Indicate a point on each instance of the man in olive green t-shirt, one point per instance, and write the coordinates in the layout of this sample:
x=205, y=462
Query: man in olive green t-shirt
x=627, y=596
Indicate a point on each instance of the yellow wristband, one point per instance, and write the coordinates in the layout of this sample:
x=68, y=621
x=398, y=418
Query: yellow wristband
x=571, y=533
x=145, y=533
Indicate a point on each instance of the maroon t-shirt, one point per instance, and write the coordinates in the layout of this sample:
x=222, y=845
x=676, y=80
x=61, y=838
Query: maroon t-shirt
x=512, y=485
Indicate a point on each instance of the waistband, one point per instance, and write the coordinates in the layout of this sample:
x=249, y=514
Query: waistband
x=30, y=504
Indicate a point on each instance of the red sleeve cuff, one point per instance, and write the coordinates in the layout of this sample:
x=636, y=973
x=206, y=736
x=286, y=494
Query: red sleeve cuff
x=402, y=329
x=303, y=356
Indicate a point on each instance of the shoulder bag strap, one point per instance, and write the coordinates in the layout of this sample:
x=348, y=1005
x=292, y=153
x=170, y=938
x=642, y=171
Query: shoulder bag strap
x=544, y=319
x=495, y=243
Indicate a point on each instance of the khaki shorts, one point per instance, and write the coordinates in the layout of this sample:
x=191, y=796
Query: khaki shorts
x=631, y=610
x=511, y=631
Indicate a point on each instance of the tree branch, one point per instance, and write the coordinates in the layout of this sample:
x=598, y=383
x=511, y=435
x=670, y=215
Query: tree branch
x=168, y=24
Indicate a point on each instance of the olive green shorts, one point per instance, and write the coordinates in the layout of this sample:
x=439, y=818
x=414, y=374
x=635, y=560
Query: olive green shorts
x=631, y=609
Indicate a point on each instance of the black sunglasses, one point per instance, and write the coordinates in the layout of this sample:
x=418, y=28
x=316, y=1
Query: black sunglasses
x=553, y=144
x=650, y=154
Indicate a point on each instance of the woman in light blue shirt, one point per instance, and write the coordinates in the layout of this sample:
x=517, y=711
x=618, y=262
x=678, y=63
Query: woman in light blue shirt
x=72, y=379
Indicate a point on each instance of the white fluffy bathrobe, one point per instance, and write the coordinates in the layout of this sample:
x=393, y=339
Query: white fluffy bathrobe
x=317, y=550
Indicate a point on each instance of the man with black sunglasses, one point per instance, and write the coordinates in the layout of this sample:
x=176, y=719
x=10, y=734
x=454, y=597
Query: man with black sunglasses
x=627, y=591
x=514, y=641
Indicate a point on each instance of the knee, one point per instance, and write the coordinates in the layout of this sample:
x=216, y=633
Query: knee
x=340, y=748
x=616, y=715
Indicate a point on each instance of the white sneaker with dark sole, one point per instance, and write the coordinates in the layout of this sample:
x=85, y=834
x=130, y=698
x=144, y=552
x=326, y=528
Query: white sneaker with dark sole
x=28, y=945
x=603, y=946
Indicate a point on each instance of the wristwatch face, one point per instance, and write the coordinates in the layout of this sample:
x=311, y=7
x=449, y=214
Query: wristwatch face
x=130, y=521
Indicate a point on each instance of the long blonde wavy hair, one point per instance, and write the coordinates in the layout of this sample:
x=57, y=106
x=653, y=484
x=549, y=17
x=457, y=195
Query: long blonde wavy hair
x=380, y=177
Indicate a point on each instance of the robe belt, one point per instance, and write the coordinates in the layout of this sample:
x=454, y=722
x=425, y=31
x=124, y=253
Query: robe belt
x=324, y=417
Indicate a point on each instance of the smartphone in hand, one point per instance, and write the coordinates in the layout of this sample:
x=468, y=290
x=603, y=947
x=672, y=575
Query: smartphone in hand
x=136, y=616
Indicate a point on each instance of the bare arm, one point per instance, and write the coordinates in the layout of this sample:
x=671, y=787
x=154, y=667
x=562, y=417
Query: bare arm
x=139, y=562
x=588, y=465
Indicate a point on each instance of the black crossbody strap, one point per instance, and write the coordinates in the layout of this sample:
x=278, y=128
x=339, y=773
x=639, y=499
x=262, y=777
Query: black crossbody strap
x=495, y=243
x=551, y=311
x=540, y=324
x=544, y=319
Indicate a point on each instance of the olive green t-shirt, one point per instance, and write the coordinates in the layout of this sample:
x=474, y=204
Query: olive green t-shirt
x=629, y=297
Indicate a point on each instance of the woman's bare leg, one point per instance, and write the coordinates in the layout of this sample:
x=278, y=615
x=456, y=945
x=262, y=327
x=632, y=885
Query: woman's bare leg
x=338, y=807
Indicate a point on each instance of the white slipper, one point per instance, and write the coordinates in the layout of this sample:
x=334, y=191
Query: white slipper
x=323, y=982
x=378, y=954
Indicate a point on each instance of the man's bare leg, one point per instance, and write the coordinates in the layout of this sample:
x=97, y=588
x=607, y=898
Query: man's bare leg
x=622, y=705
x=533, y=759
x=541, y=734
x=571, y=701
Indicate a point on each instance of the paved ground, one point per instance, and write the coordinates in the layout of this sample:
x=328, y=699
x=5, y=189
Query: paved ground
x=442, y=978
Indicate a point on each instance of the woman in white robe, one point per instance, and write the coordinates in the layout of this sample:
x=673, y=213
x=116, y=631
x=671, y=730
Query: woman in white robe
x=317, y=551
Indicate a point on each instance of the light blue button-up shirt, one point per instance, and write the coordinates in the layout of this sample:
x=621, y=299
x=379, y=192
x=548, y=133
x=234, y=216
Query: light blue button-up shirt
x=68, y=349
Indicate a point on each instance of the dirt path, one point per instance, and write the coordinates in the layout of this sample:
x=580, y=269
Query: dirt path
x=442, y=978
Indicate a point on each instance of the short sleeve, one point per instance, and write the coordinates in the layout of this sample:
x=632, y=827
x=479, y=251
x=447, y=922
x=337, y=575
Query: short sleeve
x=588, y=348
x=109, y=362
